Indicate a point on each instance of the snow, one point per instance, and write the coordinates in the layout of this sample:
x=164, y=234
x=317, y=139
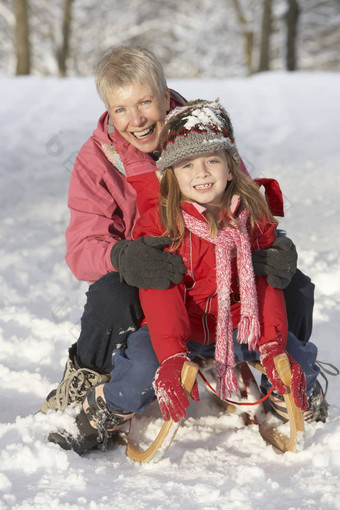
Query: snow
x=202, y=117
x=286, y=126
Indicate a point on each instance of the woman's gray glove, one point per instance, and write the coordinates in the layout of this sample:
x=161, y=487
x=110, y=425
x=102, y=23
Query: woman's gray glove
x=144, y=264
x=278, y=262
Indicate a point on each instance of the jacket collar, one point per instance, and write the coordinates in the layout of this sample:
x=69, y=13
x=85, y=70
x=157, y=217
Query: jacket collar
x=198, y=210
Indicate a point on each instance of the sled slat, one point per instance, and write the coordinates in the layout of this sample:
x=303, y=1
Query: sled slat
x=294, y=441
x=169, y=428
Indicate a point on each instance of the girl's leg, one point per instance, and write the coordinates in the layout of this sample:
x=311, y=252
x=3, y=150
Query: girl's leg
x=304, y=354
x=196, y=349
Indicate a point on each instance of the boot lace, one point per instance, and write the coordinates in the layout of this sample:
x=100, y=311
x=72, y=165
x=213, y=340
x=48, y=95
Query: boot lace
x=74, y=387
x=330, y=370
x=105, y=420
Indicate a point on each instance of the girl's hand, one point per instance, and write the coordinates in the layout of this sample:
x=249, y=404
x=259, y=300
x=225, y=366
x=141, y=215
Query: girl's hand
x=298, y=383
x=169, y=390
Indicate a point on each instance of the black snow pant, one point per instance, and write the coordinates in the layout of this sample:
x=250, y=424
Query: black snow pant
x=113, y=311
x=299, y=297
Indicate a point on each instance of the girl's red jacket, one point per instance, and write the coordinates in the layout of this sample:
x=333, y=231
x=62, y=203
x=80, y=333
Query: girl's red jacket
x=188, y=311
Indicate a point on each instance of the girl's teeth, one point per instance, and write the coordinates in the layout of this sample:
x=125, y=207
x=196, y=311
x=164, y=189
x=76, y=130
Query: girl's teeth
x=203, y=186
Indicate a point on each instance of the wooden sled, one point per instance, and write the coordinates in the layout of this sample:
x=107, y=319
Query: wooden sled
x=293, y=442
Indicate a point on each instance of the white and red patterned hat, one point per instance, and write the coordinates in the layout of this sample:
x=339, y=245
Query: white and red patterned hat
x=196, y=128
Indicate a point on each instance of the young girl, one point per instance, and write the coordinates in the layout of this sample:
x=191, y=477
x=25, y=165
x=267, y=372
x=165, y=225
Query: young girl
x=215, y=216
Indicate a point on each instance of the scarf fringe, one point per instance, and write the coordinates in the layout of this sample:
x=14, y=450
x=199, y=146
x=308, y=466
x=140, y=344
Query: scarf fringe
x=226, y=382
x=249, y=331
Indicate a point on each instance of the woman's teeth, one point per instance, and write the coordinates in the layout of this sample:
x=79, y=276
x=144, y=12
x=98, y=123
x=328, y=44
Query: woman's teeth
x=146, y=132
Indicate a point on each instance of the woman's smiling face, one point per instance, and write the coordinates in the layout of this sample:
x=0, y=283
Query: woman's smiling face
x=138, y=112
x=203, y=178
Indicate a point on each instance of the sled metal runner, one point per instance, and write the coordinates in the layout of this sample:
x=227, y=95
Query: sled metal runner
x=292, y=442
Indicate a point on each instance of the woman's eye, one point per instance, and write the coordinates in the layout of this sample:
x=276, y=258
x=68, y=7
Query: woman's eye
x=120, y=110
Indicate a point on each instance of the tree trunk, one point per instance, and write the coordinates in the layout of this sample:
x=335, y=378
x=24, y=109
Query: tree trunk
x=248, y=36
x=264, y=61
x=292, y=21
x=22, y=37
x=63, y=51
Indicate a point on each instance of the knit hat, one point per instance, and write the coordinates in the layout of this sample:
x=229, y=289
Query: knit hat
x=196, y=128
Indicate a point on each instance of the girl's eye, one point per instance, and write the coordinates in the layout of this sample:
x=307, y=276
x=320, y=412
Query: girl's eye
x=213, y=161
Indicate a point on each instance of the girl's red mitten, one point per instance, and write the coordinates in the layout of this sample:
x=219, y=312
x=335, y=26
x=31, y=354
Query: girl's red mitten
x=169, y=390
x=298, y=382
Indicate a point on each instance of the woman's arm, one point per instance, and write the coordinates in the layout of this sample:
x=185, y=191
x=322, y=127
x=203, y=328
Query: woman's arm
x=103, y=210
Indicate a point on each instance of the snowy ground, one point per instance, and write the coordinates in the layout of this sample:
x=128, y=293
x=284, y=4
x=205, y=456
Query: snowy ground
x=287, y=126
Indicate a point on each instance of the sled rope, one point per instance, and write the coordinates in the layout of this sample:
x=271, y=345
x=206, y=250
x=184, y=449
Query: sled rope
x=232, y=401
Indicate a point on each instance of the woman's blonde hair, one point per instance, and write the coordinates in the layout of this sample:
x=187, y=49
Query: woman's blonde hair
x=242, y=185
x=122, y=66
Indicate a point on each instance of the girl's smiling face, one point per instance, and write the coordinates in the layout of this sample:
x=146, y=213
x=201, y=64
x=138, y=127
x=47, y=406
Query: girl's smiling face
x=203, y=178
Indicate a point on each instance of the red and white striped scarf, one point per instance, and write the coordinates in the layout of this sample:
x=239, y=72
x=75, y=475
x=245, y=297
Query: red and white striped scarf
x=228, y=239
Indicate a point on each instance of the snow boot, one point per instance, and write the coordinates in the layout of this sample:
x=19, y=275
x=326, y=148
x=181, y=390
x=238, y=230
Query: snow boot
x=96, y=424
x=317, y=409
x=74, y=384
